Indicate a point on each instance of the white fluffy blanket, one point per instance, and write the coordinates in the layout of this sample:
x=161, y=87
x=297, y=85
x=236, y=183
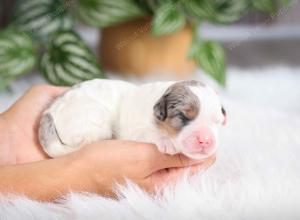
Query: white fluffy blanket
x=256, y=176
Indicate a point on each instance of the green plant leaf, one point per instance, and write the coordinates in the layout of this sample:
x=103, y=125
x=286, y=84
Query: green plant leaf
x=286, y=2
x=219, y=11
x=167, y=19
x=195, y=42
x=228, y=11
x=153, y=5
x=103, y=13
x=42, y=18
x=264, y=5
x=4, y=83
x=210, y=57
x=68, y=60
x=199, y=9
x=193, y=50
x=17, y=54
x=269, y=6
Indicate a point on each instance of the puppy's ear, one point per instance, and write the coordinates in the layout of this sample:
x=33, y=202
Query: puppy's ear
x=160, y=109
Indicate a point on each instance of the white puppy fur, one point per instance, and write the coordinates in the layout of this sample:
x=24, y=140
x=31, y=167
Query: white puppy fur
x=176, y=116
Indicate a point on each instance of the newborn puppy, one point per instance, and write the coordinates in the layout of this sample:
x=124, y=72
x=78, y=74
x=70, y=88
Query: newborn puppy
x=178, y=117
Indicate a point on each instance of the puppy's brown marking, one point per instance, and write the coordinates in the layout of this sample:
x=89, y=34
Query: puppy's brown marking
x=177, y=107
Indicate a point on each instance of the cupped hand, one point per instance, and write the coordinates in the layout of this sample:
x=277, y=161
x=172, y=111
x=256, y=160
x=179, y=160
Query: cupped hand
x=109, y=162
x=21, y=122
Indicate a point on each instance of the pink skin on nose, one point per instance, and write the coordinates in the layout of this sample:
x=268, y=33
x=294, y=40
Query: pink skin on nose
x=201, y=141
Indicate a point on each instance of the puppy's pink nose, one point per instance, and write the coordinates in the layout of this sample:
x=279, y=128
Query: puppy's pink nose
x=203, y=141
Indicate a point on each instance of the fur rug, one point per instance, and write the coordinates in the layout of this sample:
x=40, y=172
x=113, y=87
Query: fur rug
x=256, y=176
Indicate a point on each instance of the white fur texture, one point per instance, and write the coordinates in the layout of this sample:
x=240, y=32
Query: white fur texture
x=256, y=176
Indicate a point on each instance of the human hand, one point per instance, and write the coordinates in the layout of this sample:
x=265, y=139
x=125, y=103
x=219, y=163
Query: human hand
x=20, y=125
x=96, y=168
x=105, y=163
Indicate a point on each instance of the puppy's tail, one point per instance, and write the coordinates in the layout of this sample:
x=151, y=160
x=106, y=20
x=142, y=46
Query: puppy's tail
x=49, y=138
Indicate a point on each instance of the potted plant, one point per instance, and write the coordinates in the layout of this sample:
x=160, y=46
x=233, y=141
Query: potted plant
x=131, y=49
x=42, y=35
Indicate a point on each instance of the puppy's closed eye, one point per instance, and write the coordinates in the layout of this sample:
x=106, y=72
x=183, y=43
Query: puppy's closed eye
x=224, y=114
x=184, y=119
x=223, y=111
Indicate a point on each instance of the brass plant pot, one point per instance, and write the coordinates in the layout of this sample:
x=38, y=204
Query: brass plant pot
x=130, y=49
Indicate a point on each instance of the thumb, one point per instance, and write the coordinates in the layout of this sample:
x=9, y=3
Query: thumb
x=176, y=161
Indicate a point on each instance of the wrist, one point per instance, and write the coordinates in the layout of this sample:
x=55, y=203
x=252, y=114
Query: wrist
x=5, y=145
x=84, y=171
x=2, y=123
x=4, y=130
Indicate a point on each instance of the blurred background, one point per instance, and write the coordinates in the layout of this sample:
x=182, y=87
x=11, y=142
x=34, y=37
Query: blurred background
x=261, y=40
x=154, y=44
x=248, y=50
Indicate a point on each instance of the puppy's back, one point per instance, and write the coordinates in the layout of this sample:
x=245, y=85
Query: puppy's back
x=84, y=114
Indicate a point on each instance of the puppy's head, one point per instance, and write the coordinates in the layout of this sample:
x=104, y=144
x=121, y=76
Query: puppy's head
x=190, y=114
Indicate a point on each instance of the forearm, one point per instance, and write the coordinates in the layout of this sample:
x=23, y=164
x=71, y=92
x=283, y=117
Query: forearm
x=45, y=180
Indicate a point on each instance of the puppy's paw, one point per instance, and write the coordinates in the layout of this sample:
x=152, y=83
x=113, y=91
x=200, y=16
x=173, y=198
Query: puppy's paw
x=166, y=146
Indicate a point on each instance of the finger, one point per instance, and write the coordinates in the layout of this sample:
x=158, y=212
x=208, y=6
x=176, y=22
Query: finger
x=42, y=95
x=172, y=175
x=167, y=176
x=46, y=91
x=56, y=91
x=194, y=169
x=157, y=160
x=177, y=160
x=152, y=160
x=35, y=100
